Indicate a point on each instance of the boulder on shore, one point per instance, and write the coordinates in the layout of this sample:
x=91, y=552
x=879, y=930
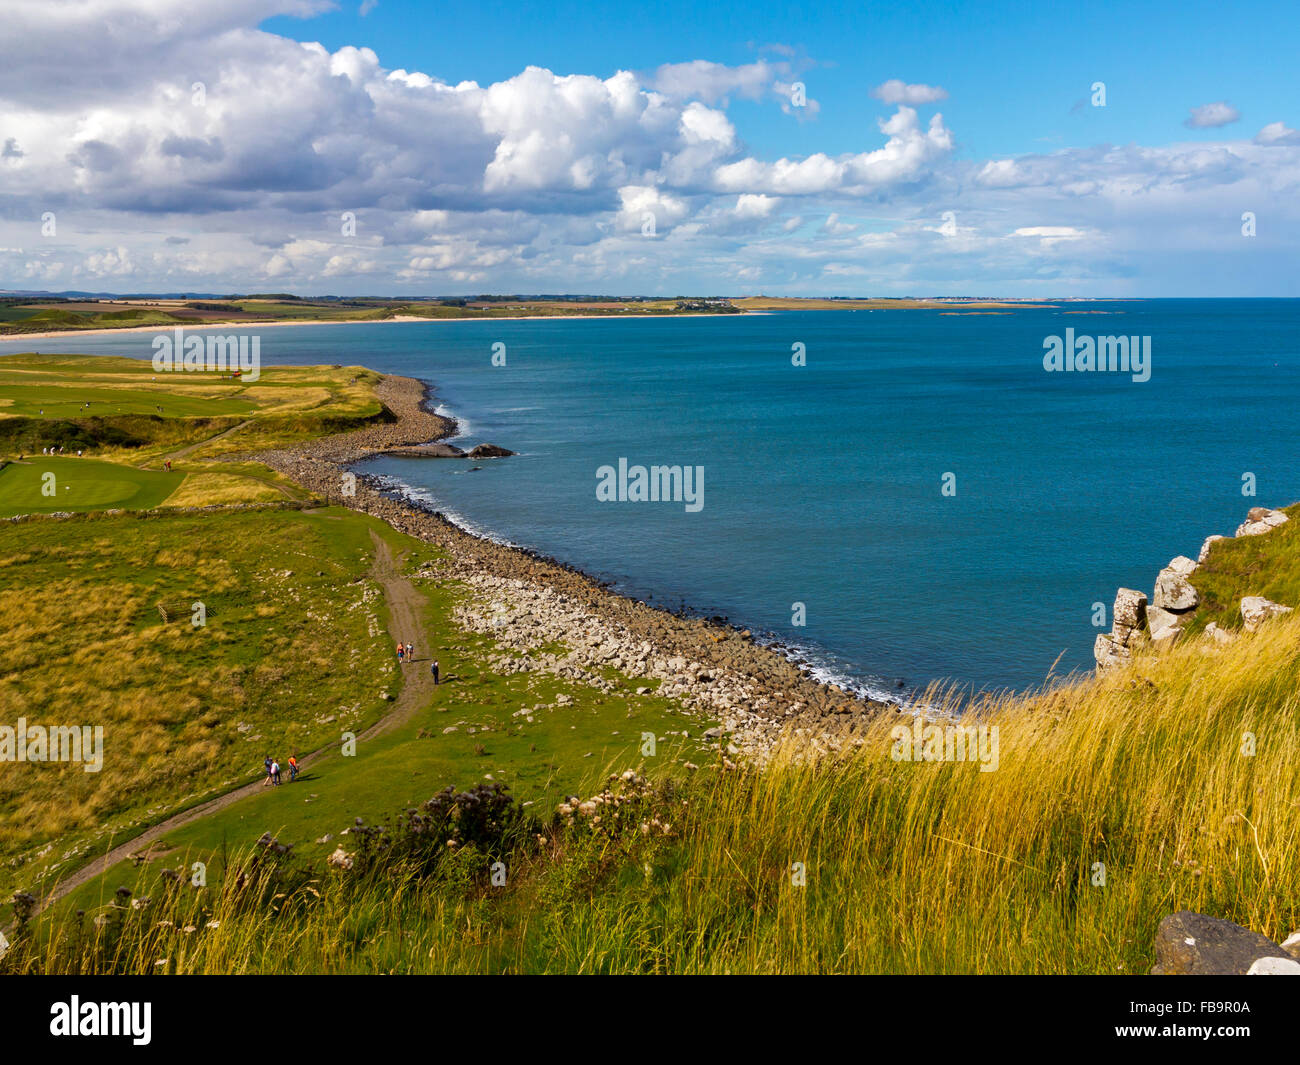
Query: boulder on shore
x=1192, y=944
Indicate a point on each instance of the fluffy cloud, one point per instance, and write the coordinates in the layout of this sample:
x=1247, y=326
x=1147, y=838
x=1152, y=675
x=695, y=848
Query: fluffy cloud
x=895, y=91
x=1211, y=116
x=1277, y=133
x=1050, y=235
x=713, y=82
x=903, y=158
x=181, y=148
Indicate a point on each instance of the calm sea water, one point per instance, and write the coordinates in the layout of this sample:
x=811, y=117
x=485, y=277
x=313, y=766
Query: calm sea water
x=823, y=484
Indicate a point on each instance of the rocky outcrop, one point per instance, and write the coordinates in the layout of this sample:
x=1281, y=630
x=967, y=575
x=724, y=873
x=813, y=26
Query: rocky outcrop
x=1192, y=944
x=1261, y=520
x=449, y=451
x=1255, y=610
x=1175, y=599
x=1128, y=630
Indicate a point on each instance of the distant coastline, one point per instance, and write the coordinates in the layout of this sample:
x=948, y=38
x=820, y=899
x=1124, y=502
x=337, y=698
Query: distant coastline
x=62, y=333
x=744, y=306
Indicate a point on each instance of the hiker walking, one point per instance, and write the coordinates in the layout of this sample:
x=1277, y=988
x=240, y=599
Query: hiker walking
x=434, y=670
x=293, y=768
x=410, y=652
x=275, y=772
x=267, y=762
x=401, y=652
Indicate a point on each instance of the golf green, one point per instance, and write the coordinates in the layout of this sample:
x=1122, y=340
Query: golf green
x=43, y=484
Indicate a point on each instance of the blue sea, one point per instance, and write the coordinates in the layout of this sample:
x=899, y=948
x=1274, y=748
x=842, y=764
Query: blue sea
x=926, y=498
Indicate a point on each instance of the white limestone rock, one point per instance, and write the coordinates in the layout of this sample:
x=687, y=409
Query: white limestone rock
x=1255, y=610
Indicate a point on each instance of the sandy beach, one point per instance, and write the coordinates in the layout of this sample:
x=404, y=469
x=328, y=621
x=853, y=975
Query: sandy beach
x=59, y=334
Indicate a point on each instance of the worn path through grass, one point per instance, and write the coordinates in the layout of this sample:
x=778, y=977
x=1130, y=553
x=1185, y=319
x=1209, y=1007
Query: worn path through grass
x=405, y=624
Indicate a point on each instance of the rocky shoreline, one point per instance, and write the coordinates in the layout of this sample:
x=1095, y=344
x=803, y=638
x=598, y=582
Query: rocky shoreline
x=528, y=601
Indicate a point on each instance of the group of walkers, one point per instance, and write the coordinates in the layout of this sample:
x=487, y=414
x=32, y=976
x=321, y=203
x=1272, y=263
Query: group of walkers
x=274, y=771
x=406, y=653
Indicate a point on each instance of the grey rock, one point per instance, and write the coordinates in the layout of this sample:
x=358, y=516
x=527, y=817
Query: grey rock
x=1108, y=653
x=1130, y=609
x=1158, y=618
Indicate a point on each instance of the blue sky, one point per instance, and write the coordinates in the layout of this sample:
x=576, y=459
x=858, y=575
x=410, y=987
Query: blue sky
x=1014, y=71
x=443, y=149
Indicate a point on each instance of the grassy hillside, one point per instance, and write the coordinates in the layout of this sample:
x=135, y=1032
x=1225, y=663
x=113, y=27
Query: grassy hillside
x=295, y=649
x=18, y=316
x=1114, y=802
x=910, y=867
x=1252, y=565
x=184, y=708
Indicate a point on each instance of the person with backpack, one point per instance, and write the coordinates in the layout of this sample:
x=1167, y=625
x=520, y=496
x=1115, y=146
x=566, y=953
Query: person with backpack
x=293, y=768
x=267, y=763
x=275, y=773
x=434, y=670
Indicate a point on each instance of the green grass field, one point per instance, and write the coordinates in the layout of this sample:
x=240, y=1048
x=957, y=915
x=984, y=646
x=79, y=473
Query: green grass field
x=74, y=401
x=120, y=411
x=45, y=484
x=184, y=708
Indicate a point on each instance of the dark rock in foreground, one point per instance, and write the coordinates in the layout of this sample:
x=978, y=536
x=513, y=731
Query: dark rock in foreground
x=1192, y=944
x=489, y=451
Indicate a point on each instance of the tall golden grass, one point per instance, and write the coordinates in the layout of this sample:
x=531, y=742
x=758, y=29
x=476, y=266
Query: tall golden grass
x=1146, y=776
